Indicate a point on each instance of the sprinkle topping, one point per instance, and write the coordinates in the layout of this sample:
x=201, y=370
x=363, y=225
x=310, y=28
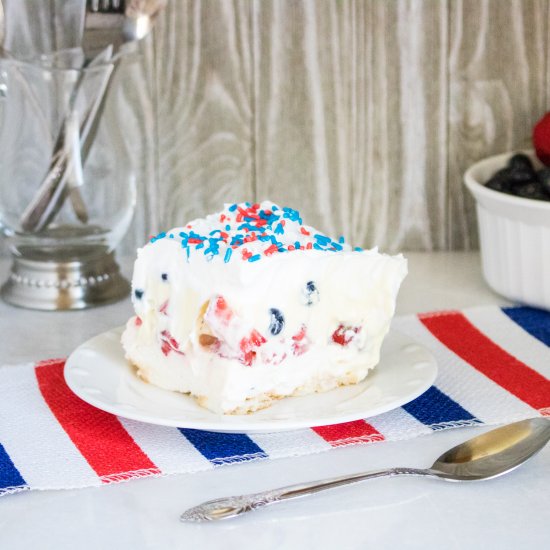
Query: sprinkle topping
x=250, y=232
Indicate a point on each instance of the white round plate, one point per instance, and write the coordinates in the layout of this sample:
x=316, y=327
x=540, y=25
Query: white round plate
x=100, y=375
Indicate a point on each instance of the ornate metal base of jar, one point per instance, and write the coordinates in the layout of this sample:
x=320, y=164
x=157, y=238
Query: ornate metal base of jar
x=73, y=279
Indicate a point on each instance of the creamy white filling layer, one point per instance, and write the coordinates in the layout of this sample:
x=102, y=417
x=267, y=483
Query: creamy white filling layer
x=236, y=334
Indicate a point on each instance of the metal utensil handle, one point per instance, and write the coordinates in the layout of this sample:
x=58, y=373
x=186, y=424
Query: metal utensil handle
x=52, y=193
x=228, y=507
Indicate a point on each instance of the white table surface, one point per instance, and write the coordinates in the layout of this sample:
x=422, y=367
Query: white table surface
x=506, y=513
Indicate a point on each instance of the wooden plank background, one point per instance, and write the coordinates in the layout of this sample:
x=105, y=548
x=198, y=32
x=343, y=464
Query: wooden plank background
x=363, y=114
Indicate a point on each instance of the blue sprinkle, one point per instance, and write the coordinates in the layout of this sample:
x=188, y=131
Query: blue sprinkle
x=317, y=247
x=171, y=236
x=215, y=231
x=254, y=258
x=188, y=252
x=275, y=207
x=336, y=246
x=358, y=249
x=158, y=237
x=322, y=239
x=297, y=245
x=341, y=240
x=248, y=204
x=228, y=253
x=227, y=227
x=279, y=230
x=237, y=239
x=292, y=215
x=232, y=208
x=199, y=246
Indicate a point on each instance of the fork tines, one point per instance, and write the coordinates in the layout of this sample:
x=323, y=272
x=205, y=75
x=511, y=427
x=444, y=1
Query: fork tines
x=105, y=6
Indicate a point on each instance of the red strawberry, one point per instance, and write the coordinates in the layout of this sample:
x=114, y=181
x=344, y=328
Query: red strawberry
x=343, y=335
x=541, y=139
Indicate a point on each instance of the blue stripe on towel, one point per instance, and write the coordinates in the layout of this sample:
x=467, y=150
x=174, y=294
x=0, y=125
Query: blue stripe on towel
x=534, y=321
x=221, y=448
x=437, y=410
x=10, y=478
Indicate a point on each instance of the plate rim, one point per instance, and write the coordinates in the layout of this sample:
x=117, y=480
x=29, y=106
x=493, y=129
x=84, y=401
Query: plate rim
x=267, y=426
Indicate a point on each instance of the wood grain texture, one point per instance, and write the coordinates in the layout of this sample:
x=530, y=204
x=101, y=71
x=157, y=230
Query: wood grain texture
x=350, y=113
x=364, y=114
x=135, y=125
x=498, y=82
x=203, y=109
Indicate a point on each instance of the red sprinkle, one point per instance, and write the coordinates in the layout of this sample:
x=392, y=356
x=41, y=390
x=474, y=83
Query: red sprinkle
x=304, y=231
x=291, y=247
x=309, y=246
x=271, y=250
x=246, y=254
x=164, y=308
x=138, y=322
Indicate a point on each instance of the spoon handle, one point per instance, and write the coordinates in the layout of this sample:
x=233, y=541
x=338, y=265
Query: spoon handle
x=228, y=507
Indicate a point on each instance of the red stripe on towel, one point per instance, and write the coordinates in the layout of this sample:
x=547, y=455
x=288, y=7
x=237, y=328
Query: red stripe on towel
x=99, y=436
x=348, y=432
x=456, y=332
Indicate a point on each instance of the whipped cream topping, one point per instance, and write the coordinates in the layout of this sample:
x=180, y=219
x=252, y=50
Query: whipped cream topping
x=250, y=232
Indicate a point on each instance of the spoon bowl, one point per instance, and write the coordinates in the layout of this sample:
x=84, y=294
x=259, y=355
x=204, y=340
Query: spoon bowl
x=486, y=456
x=494, y=453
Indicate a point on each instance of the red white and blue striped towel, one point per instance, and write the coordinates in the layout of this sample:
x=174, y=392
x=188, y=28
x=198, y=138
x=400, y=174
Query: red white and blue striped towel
x=494, y=367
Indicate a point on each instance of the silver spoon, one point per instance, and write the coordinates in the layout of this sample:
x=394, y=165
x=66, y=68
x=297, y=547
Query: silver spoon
x=484, y=457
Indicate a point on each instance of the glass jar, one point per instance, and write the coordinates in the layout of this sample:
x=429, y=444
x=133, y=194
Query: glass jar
x=62, y=218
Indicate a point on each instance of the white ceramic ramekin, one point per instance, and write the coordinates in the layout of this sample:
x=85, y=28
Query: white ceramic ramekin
x=514, y=236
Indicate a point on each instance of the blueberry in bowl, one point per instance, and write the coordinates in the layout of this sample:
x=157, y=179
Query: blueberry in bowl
x=520, y=178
